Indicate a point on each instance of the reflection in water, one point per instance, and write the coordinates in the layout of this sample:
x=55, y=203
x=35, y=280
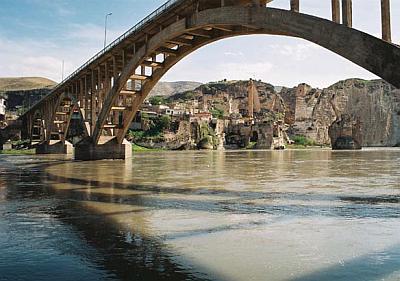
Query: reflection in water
x=235, y=215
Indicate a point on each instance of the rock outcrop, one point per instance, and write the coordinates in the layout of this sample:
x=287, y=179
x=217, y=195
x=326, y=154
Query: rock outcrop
x=310, y=112
x=231, y=98
x=171, y=88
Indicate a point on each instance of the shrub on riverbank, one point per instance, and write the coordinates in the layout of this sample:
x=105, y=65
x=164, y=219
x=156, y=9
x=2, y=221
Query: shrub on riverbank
x=303, y=141
x=18, y=152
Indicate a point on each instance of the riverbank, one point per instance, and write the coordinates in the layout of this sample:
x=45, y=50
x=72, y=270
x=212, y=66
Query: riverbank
x=138, y=148
x=18, y=152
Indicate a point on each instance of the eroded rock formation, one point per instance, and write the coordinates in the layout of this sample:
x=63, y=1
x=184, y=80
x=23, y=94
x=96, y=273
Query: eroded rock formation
x=310, y=111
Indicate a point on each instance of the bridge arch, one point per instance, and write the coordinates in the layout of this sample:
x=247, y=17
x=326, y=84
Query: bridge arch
x=185, y=36
x=37, y=127
x=64, y=110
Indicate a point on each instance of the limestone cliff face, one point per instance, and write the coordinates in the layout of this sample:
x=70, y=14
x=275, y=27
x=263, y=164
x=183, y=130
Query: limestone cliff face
x=310, y=112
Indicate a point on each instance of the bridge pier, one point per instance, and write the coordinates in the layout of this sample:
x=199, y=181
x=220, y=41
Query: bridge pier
x=295, y=5
x=336, y=11
x=386, y=28
x=108, y=148
x=347, y=7
x=55, y=147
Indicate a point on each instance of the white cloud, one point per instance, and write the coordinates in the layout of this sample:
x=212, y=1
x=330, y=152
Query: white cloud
x=91, y=33
x=30, y=58
x=233, y=54
x=297, y=52
x=27, y=57
x=60, y=8
x=238, y=70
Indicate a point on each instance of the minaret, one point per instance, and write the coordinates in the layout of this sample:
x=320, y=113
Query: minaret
x=253, y=100
x=256, y=100
x=250, y=99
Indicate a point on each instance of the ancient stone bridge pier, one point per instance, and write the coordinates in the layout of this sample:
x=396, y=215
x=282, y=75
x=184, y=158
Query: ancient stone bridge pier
x=108, y=90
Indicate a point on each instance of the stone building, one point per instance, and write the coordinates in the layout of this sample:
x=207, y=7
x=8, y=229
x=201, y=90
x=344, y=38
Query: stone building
x=2, y=108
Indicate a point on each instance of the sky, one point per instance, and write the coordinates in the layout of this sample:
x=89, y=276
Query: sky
x=37, y=35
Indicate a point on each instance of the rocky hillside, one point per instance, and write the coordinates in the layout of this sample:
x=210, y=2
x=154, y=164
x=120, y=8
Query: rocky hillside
x=23, y=92
x=25, y=83
x=170, y=88
x=230, y=98
x=310, y=111
x=376, y=104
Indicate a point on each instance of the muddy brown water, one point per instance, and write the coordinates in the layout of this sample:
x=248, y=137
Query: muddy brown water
x=295, y=215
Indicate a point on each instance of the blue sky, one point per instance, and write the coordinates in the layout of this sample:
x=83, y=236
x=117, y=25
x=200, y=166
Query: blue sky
x=36, y=35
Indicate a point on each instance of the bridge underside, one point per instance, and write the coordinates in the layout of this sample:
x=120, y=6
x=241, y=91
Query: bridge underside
x=108, y=92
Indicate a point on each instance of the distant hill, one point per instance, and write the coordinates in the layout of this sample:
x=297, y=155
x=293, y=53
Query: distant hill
x=32, y=83
x=25, y=83
x=171, y=88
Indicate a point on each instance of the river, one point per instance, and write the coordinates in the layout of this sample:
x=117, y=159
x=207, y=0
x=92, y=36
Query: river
x=295, y=215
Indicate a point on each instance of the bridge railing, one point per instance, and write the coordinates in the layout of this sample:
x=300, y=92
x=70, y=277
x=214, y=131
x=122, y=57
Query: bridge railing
x=162, y=9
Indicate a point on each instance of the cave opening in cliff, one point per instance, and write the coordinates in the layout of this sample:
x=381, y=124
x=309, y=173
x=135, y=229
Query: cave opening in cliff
x=254, y=137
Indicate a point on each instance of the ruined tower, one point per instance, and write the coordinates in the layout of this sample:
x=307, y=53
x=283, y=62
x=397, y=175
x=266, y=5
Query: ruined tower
x=254, y=105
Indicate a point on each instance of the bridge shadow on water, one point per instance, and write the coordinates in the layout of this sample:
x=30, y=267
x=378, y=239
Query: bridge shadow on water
x=123, y=254
x=126, y=255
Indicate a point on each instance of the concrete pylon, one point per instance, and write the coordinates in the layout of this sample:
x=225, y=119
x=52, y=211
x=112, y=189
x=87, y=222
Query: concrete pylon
x=347, y=7
x=386, y=25
x=108, y=148
x=55, y=147
x=295, y=5
x=336, y=11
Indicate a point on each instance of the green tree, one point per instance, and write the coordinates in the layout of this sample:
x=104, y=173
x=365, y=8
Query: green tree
x=159, y=125
x=217, y=113
x=157, y=100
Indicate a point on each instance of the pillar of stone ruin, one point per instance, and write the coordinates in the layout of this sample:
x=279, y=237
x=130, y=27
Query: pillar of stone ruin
x=336, y=11
x=295, y=5
x=347, y=8
x=386, y=28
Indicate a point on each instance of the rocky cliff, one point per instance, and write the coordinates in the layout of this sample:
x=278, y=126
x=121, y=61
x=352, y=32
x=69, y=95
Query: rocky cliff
x=310, y=112
x=171, y=88
x=231, y=98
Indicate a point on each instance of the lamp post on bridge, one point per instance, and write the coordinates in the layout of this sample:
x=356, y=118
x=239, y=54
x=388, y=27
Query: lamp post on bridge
x=105, y=29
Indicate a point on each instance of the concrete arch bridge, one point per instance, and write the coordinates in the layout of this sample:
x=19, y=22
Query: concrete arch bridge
x=109, y=89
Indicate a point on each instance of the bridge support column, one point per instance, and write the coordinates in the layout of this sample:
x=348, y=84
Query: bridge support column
x=106, y=149
x=295, y=5
x=386, y=28
x=336, y=11
x=55, y=147
x=347, y=7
